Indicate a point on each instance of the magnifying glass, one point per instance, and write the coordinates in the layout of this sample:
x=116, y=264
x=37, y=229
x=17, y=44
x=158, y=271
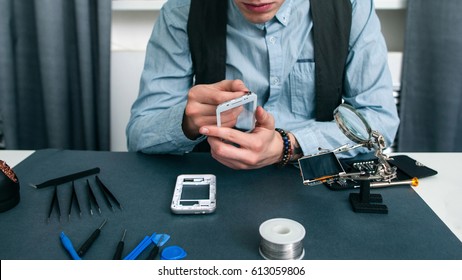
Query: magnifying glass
x=352, y=124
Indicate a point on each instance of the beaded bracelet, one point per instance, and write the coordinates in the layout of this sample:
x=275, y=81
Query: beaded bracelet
x=287, y=149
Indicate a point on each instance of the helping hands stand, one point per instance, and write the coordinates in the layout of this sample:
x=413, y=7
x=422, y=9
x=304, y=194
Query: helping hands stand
x=355, y=127
x=365, y=202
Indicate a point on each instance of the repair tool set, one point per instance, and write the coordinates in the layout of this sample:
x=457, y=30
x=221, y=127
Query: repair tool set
x=89, y=193
x=156, y=241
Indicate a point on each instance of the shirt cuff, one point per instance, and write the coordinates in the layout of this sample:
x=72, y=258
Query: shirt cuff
x=306, y=138
x=178, y=138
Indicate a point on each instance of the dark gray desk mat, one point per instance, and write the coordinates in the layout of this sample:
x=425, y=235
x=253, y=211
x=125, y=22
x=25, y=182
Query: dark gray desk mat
x=245, y=199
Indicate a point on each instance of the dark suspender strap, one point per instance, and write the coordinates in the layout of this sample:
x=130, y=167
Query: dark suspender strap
x=207, y=39
x=207, y=42
x=331, y=34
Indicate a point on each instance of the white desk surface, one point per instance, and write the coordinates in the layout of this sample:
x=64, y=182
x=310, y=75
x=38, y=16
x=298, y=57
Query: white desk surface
x=443, y=192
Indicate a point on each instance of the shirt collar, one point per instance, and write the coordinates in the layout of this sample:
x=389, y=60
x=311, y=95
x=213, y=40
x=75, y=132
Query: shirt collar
x=282, y=16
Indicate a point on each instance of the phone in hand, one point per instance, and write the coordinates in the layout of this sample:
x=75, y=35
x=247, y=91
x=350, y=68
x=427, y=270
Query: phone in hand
x=246, y=119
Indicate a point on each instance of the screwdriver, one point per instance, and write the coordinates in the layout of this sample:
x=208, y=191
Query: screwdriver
x=159, y=240
x=86, y=245
x=68, y=246
x=153, y=253
x=120, y=247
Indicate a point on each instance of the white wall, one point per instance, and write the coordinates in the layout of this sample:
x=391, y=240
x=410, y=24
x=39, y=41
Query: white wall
x=130, y=33
x=131, y=30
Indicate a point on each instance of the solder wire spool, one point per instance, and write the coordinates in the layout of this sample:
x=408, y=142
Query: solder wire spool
x=282, y=239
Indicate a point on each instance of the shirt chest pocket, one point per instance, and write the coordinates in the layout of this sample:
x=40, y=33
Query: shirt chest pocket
x=302, y=87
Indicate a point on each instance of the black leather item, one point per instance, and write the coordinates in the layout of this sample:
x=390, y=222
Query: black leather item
x=412, y=168
x=9, y=190
x=407, y=168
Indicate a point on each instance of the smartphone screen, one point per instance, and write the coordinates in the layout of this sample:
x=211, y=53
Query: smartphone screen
x=247, y=105
x=319, y=166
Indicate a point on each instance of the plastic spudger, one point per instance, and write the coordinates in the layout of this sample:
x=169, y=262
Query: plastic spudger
x=68, y=245
x=86, y=245
x=140, y=248
x=107, y=192
x=160, y=239
x=120, y=248
x=67, y=178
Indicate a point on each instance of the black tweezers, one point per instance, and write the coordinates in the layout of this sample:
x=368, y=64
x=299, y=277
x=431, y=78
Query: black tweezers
x=107, y=193
x=92, y=198
x=76, y=198
x=54, y=201
x=67, y=178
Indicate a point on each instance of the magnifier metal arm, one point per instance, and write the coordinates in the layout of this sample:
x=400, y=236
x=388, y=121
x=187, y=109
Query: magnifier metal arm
x=347, y=147
x=384, y=169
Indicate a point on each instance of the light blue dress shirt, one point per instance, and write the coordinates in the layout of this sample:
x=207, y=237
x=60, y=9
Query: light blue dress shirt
x=276, y=61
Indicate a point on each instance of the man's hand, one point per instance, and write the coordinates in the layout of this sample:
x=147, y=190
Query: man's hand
x=261, y=147
x=203, y=101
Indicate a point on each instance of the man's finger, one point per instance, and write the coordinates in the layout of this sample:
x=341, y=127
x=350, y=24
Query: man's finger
x=263, y=118
x=231, y=85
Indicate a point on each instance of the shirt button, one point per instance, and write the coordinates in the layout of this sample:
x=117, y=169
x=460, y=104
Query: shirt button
x=274, y=81
x=272, y=40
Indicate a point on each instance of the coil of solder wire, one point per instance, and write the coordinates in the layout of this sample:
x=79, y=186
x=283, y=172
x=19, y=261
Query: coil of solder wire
x=282, y=240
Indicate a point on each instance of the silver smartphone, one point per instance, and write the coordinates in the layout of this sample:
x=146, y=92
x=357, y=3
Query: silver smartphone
x=194, y=194
x=246, y=119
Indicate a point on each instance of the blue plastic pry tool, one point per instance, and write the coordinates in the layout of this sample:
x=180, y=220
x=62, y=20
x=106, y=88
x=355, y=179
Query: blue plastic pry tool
x=173, y=253
x=69, y=247
x=140, y=248
x=160, y=239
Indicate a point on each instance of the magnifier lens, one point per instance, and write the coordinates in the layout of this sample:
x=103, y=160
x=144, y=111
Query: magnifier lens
x=352, y=123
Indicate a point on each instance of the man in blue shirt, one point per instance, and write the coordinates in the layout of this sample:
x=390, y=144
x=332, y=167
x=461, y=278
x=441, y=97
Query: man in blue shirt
x=270, y=52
